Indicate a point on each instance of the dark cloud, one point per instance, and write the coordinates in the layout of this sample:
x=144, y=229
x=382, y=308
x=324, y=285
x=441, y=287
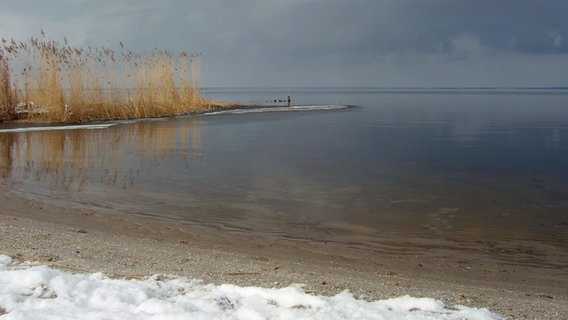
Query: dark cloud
x=316, y=42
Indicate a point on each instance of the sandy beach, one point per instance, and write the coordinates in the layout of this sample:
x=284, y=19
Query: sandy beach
x=516, y=281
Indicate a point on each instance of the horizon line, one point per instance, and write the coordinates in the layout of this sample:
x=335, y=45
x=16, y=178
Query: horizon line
x=393, y=87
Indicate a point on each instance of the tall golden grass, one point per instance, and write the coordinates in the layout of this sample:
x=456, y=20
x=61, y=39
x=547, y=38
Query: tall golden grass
x=52, y=81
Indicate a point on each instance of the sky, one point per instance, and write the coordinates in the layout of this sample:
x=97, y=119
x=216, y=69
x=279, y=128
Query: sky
x=317, y=43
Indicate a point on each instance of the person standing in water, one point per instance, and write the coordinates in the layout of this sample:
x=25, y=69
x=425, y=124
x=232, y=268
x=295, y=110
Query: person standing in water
x=289, y=100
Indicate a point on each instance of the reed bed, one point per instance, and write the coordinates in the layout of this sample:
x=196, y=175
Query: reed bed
x=51, y=81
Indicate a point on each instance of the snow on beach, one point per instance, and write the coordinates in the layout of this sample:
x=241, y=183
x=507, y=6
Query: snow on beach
x=95, y=126
x=53, y=128
x=279, y=109
x=31, y=291
x=88, y=126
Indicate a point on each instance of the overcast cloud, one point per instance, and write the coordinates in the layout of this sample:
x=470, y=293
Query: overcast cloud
x=323, y=42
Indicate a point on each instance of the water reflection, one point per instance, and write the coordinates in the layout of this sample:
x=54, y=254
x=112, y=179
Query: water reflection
x=6, y=143
x=70, y=160
x=469, y=118
x=444, y=166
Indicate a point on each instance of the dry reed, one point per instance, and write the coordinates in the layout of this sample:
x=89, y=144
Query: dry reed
x=52, y=81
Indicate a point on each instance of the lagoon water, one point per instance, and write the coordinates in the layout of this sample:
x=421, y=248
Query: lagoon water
x=488, y=164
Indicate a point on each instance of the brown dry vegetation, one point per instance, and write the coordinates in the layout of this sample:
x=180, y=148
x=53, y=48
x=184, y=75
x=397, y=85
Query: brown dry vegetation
x=50, y=81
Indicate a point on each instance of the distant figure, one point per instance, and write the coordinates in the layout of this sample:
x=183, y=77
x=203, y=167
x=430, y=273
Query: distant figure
x=289, y=100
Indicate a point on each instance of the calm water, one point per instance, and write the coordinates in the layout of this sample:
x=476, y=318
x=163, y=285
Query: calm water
x=490, y=165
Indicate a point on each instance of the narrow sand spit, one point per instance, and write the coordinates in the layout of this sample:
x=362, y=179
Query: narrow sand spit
x=87, y=240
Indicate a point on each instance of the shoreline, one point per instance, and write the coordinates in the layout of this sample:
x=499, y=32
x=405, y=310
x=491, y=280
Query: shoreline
x=210, y=106
x=88, y=239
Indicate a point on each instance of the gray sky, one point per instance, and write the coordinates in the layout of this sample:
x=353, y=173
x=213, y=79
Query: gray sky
x=323, y=42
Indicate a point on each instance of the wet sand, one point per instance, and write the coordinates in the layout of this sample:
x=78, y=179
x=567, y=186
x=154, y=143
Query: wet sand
x=518, y=280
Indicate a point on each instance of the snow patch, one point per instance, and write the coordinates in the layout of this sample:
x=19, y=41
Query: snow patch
x=40, y=292
x=280, y=109
x=52, y=128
